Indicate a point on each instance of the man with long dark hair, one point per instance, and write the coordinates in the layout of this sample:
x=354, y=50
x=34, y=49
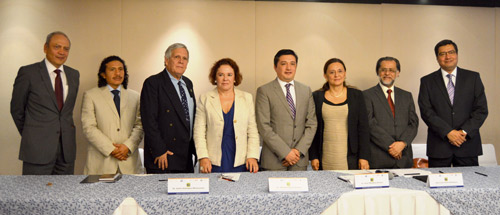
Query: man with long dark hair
x=111, y=121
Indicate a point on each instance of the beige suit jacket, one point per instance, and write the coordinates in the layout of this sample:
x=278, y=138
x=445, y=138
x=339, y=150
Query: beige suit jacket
x=209, y=125
x=102, y=126
x=280, y=132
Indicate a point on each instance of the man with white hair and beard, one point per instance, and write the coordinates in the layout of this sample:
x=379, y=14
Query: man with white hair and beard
x=392, y=119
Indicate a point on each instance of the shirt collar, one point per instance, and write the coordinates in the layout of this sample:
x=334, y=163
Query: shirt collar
x=51, y=67
x=384, y=88
x=173, y=79
x=454, y=73
x=111, y=88
x=282, y=83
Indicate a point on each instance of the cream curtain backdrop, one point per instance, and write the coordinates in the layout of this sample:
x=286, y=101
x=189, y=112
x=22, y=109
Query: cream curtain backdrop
x=250, y=33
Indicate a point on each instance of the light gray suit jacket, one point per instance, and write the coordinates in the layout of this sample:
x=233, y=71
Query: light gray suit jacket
x=386, y=129
x=102, y=126
x=36, y=115
x=279, y=131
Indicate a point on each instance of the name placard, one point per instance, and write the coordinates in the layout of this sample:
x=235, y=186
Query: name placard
x=445, y=180
x=288, y=185
x=188, y=186
x=374, y=180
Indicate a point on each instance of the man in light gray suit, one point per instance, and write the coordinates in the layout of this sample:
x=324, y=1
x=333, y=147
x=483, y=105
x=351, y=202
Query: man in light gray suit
x=286, y=117
x=42, y=108
x=392, y=118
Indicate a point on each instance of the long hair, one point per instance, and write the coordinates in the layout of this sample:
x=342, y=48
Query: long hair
x=101, y=82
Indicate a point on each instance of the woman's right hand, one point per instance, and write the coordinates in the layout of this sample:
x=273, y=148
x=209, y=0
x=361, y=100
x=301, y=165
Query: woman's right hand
x=205, y=165
x=315, y=164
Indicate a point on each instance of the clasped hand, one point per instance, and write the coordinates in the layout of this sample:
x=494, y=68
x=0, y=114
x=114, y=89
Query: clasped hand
x=396, y=149
x=292, y=158
x=120, y=152
x=456, y=137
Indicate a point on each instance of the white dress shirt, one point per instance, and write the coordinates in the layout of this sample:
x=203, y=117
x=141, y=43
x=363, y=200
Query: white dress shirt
x=51, y=68
x=292, y=89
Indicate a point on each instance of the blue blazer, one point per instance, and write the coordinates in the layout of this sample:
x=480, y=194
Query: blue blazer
x=164, y=123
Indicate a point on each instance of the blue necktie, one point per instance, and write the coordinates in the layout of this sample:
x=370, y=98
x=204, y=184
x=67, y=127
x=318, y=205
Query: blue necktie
x=184, y=101
x=450, y=88
x=116, y=99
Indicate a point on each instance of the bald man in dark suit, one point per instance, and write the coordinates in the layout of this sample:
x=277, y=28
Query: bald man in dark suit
x=42, y=105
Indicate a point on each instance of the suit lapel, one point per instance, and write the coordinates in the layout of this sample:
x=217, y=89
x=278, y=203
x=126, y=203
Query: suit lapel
x=106, y=94
x=439, y=82
x=399, y=106
x=214, y=101
x=48, y=84
x=279, y=93
x=123, y=99
x=383, y=100
x=71, y=91
x=459, y=83
x=239, y=103
x=172, y=95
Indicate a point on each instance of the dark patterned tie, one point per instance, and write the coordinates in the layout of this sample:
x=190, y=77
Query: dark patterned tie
x=116, y=99
x=289, y=99
x=184, y=101
x=391, y=103
x=450, y=88
x=59, y=90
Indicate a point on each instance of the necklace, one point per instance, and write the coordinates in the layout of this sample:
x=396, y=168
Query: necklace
x=341, y=93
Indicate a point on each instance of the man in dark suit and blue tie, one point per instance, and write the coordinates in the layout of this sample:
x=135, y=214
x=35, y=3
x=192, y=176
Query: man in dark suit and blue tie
x=167, y=112
x=453, y=105
x=392, y=118
x=42, y=105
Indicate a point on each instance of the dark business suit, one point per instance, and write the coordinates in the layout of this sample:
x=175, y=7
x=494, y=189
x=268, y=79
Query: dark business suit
x=467, y=113
x=43, y=128
x=385, y=129
x=165, y=126
x=357, y=129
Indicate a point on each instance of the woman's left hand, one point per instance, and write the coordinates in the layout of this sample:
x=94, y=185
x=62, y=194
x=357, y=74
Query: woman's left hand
x=363, y=164
x=252, y=165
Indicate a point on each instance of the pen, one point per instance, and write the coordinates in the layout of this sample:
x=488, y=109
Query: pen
x=481, y=174
x=342, y=179
x=227, y=179
x=163, y=180
x=441, y=171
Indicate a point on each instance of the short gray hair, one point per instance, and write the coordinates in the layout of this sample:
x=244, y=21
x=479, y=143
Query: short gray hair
x=168, y=52
x=49, y=37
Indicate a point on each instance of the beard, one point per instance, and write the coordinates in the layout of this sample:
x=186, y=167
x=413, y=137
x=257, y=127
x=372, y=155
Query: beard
x=387, y=83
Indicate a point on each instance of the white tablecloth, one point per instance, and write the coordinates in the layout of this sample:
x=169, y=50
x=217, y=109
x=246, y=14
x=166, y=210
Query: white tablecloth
x=385, y=201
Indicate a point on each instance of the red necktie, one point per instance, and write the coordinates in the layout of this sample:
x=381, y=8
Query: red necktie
x=59, y=89
x=391, y=104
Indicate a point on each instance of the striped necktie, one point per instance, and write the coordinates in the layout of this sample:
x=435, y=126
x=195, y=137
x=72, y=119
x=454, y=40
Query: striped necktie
x=289, y=99
x=450, y=88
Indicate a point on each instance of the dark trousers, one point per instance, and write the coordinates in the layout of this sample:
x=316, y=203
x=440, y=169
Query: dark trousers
x=456, y=161
x=189, y=169
x=58, y=166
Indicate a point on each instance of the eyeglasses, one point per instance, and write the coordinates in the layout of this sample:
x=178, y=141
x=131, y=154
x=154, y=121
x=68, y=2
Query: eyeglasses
x=387, y=70
x=452, y=52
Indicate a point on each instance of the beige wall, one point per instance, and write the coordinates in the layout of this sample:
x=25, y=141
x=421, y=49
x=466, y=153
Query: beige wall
x=250, y=33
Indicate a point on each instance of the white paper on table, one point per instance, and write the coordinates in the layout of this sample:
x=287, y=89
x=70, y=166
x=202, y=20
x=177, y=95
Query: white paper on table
x=231, y=176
